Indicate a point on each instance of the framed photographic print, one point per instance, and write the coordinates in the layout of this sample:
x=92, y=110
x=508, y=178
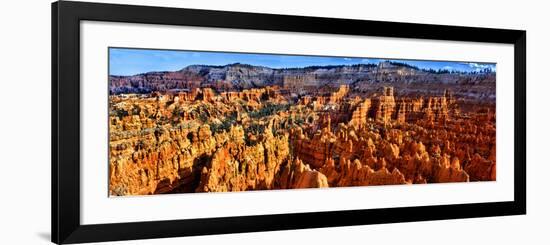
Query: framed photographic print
x=175, y=122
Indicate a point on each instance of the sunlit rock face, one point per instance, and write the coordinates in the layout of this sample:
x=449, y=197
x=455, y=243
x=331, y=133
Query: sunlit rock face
x=244, y=128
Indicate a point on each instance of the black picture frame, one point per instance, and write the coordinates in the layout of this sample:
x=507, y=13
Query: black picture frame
x=65, y=140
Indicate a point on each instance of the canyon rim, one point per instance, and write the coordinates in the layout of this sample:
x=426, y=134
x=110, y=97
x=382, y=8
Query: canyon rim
x=200, y=121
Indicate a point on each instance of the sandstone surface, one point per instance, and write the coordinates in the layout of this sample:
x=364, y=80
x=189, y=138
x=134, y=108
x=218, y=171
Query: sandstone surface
x=243, y=128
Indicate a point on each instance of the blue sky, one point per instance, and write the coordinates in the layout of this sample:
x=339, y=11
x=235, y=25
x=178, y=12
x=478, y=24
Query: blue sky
x=126, y=61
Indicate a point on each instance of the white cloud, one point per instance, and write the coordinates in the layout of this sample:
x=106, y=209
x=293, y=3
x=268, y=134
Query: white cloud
x=448, y=68
x=479, y=67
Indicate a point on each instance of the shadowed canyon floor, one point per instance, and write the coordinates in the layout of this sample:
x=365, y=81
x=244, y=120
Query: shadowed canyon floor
x=218, y=138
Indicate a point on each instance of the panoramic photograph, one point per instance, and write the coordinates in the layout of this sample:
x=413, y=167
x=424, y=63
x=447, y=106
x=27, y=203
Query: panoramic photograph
x=208, y=121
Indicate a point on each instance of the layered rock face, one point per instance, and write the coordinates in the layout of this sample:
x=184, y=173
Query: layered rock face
x=211, y=139
x=366, y=78
x=238, y=167
x=157, y=146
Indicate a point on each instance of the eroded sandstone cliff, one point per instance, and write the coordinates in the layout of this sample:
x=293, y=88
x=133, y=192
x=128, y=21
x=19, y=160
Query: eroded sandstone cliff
x=215, y=140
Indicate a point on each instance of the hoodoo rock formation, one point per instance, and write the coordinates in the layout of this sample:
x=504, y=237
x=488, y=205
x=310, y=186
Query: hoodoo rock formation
x=240, y=127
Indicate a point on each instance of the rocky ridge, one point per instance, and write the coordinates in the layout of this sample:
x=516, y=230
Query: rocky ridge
x=206, y=140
